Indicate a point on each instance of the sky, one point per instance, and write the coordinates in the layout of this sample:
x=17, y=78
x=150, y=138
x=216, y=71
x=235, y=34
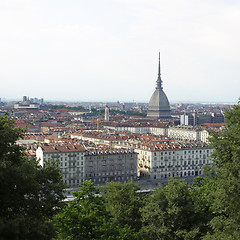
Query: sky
x=92, y=50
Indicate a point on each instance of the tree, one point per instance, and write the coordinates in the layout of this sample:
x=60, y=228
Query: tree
x=225, y=177
x=30, y=194
x=68, y=107
x=170, y=213
x=86, y=217
x=124, y=203
x=201, y=189
x=83, y=217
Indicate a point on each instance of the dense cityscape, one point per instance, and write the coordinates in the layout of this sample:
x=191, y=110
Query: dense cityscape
x=97, y=170
x=119, y=120
x=118, y=170
x=113, y=141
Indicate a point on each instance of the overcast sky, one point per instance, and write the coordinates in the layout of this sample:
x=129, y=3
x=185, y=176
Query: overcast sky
x=107, y=50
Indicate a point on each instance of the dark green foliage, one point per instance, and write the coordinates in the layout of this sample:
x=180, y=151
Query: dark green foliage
x=68, y=107
x=128, y=113
x=86, y=218
x=122, y=198
x=200, y=193
x=133, y=113
x=30, y=194
x=225, y=202
x=170, y=213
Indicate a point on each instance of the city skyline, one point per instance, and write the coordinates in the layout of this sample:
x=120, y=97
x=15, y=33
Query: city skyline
x=89, y=51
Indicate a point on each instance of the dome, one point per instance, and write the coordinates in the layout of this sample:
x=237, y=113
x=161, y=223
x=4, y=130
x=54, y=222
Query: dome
x=159, y=107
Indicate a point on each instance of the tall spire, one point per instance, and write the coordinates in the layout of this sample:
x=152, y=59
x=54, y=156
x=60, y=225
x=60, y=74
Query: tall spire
x=159, y=80
x=159, y=67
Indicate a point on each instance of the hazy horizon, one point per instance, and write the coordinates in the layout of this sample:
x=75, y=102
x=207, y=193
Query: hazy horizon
x=108, y=50
x=101, y=101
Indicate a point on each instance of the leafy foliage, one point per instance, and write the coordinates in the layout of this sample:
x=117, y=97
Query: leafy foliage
x=225, y=202
x=170, y=213
x=86, y=217
x=82, y=218
x=128, y=113
x=68, y=107
x=123, y=198
x=30, y=194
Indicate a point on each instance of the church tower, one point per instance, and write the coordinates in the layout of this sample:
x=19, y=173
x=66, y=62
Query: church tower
x=159, y=107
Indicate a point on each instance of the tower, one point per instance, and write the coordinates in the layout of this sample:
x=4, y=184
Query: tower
x=159, y=107
x=106, y=113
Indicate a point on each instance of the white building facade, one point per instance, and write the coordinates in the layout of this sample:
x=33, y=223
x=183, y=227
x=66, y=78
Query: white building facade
x=71, y=161
x=179, y=162
x=78, y=163
x=184, y=133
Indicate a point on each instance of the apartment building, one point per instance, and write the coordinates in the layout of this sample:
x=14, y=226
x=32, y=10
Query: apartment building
x=113, y=165
x=71, y=160
x=143, y=128
x=184, y=132
x=80, y=162
x=164, y=157
x=172, y=160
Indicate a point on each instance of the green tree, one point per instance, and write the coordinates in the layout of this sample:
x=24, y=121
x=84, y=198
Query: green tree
x=170, y=213
x=68, y=107
x=225, y=177
x=83, y=217
x=124, y=203
x=30, y=194
x=201, y=189
x=86, y=217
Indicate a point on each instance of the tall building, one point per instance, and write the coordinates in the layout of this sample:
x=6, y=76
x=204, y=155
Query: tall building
x=159, y=107
x=106, y=113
